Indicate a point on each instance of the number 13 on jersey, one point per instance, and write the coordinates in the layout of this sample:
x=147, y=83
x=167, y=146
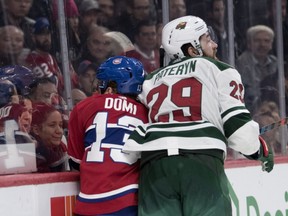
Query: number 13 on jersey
x=125, y=125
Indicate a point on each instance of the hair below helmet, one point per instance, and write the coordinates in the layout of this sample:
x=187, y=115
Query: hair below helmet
x=19, y=75
x=183, y=30
x=128, y=73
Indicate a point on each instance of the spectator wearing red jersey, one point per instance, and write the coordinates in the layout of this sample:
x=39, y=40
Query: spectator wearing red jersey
x=40, y=61
x=12, y=121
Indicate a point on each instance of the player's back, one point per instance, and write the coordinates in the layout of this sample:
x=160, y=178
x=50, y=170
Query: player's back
x=187, y=102
x=100, y=125
x=190, y=90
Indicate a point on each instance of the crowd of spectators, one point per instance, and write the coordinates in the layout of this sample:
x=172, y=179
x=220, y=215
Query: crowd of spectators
x=99, y=29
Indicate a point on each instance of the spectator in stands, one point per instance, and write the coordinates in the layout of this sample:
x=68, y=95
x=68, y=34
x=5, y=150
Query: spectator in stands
x=72, y=25
x=145, y=46
x=25, y=119
x=20, y=111
x=41, y=8
x=87, y=77
x=217, y=22
x=256, y=63
x=15, y=13
x=97, y=47
x=89, y=16
x=177, y=8
x=120, y=43
x=271, y=22
x=47, y=129
x=268, y=113
x=43, y=90
x=11, y=122
x=137, y=10
x=40, y=61
x=77, y=96
x=11, y=45
x=107, y=15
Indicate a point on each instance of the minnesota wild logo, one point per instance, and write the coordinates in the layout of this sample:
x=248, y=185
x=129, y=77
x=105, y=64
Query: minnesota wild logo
x=181, y=25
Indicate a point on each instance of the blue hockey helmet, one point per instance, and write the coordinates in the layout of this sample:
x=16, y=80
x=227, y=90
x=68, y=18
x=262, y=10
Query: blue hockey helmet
x=128, y=73
x=19, y=75
x=7, y=90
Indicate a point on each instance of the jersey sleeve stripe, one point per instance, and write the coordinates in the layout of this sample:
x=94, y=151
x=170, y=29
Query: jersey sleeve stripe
x=236, y=122
x=233, y=110
x=165, y=136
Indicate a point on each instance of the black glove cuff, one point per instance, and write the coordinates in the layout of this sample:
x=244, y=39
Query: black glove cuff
x=254, y=156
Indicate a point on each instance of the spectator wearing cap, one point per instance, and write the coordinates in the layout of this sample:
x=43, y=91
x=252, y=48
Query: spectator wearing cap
x=40, y=60
x=89, y=15
x=87, y=77
x=77, y=96
x=120, y=43
x=47, y=129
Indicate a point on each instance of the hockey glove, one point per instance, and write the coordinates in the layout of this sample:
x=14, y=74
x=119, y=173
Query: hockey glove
x=266, y=156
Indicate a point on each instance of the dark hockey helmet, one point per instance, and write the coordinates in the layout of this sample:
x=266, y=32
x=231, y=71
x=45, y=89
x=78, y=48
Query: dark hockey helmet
x=7, y=90
x=20, y=76
x=128, y=73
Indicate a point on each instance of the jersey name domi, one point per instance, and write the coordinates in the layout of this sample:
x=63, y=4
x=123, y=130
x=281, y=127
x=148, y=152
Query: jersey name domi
x=178, y=69
x=120, y=104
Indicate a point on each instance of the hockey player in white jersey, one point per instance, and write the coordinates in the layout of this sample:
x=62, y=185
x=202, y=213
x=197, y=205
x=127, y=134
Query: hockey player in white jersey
x=196, y=111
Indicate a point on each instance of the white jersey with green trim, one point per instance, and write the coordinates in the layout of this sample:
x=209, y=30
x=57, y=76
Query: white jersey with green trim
x=196, y=103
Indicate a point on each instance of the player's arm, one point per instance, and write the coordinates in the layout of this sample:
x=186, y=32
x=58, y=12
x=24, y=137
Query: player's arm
x=75, y=140
x=73, y=165
x=241, y=131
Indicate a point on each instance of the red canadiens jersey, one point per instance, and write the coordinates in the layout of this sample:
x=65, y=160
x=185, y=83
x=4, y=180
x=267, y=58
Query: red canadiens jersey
x=45, y=65
x=98, y=128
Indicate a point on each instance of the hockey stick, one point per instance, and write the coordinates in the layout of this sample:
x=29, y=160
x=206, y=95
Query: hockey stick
x=274, y=125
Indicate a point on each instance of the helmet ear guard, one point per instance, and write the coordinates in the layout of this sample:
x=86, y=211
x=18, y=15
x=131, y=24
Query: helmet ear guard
x=183, y=30
x=6, y=92
x=127, y=73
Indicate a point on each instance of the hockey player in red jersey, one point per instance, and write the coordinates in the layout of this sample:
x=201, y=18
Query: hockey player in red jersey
x=196, y=111
x=98, y=128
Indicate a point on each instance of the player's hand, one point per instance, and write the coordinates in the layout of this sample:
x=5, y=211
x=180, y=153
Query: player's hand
x=266, y=156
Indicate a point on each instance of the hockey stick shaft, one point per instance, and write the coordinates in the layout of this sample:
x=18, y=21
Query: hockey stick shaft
x=274, y=125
